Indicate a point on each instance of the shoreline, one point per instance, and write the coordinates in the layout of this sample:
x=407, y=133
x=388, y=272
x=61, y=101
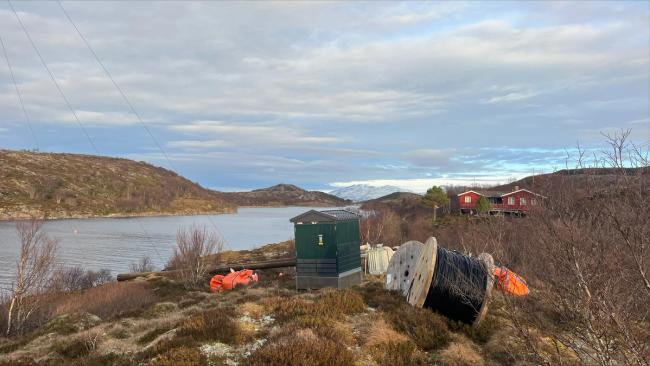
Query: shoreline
x=4, y=218
x=119, y=215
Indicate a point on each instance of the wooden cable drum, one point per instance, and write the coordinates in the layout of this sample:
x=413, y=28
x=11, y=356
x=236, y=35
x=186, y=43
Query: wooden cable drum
x=452, y=284
x=401, y=267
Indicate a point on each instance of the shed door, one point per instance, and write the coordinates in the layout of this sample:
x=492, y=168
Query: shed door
x=308, y=241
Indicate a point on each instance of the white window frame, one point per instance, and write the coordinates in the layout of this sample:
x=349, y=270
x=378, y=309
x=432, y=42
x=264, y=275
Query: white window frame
x=468, y=199
x=533, y=201
x=511, y=200
x=522, y=201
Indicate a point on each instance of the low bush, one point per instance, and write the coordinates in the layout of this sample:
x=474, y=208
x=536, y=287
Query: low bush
x=78, y=346
x=428, y=330
x=301, y=351
x=212, y=325
x=377, y=296
x=181, y=356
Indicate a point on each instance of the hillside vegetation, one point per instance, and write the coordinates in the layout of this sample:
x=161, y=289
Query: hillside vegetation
x=72, y=185
x=284, y=195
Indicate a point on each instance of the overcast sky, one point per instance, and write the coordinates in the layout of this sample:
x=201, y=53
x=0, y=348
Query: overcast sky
x=318, y=94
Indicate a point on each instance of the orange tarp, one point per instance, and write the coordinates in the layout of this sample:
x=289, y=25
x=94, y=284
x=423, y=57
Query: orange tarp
x=510, y=282
x=233, y=279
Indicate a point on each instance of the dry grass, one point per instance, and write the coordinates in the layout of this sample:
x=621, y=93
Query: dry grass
x=106, y=301
x=381, y=332
x=331, y=304
x=396, y=353
x=461, y=353
x=252, y=309
x=79, y=345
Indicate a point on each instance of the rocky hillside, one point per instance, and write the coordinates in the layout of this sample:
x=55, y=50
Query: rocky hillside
x=284, y=195
x=71, y=185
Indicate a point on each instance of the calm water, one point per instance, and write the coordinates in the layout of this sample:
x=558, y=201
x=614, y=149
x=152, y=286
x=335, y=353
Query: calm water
x=116, y=243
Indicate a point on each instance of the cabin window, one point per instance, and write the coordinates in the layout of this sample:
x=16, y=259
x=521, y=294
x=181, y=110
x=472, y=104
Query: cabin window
x=468, y=199
x=522, y=201
x=533, y=201
x=511, y=200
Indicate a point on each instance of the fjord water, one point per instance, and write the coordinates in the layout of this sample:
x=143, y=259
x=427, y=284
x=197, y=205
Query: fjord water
x=115, y=243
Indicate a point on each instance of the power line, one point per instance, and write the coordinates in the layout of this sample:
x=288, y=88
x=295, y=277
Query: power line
x=126, y=100
x=20, y=97
x=65, y=99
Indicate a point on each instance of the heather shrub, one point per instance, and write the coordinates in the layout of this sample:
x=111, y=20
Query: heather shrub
x=428, y=330
x=181, y=356
x=154, y=333
x=346, y=302
x=331, y=304
x=395, y=353
x=212, y=325
x=304, y=349
x=377, y=296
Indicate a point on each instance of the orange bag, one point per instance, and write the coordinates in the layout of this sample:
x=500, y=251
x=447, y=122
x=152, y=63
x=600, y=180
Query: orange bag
x=220, y=283
x=510, y=282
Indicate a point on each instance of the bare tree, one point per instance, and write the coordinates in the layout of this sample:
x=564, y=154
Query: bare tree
x=34, y=267
x=145, y=264
x=194, y=244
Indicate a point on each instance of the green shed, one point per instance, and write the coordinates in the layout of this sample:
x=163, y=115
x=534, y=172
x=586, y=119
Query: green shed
x=327, y=249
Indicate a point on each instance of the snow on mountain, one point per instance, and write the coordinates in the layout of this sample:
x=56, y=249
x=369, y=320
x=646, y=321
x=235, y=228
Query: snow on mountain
x=363, y=192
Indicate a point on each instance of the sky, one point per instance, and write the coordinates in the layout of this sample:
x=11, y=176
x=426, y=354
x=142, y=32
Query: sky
x=238, y=96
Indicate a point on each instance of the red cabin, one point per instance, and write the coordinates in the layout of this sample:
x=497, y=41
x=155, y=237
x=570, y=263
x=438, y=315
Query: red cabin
x=517, y=202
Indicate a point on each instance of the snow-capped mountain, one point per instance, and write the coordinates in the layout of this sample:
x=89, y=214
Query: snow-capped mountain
x=363, y=192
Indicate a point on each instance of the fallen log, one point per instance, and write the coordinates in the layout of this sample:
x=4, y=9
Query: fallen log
x=222, y=268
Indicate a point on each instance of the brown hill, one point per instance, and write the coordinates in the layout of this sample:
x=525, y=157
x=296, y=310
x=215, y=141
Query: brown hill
x=72, y=185
x=596, y=176
x=283, y=195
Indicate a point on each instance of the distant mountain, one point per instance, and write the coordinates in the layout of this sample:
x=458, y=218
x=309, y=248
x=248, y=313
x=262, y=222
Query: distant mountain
x=364, y=192
x=283, y=195
x=73, y=185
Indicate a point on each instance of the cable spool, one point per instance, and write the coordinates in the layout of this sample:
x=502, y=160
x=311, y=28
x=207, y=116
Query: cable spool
x=401, y=267
x=452, y=284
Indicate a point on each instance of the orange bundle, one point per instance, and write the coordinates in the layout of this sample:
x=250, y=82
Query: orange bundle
x=220, y=283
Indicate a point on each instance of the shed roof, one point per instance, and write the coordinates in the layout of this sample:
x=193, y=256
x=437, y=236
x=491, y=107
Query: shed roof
x=326, y=216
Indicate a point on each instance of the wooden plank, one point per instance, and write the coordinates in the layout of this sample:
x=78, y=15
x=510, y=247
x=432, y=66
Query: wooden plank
x=224, y=268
